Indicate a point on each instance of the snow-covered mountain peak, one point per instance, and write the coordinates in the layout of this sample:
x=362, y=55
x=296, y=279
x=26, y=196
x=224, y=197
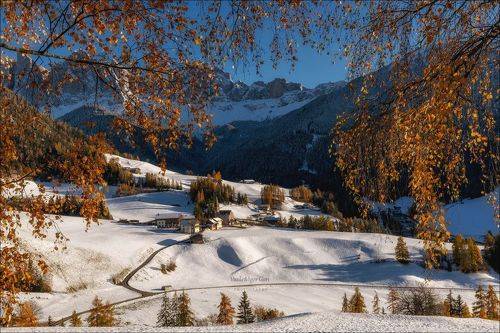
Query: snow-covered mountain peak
x=236, y=100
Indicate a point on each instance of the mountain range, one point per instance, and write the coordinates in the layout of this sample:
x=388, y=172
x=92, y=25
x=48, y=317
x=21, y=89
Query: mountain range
x=274, y=132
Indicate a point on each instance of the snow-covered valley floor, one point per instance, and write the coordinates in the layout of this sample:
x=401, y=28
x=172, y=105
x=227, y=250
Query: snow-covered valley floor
x=302, y=273
x=319, y=268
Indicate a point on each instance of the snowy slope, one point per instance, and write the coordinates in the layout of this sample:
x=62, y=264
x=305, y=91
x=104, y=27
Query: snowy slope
x=177, y=201
x=474, y=217
x=273, y=255
x=92, y=256
x=100, y=251
x=258, y=260
x=224, y=112
x=468, y=217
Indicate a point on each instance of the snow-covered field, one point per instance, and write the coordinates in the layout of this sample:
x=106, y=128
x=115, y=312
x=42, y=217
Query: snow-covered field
x=295, y=271
x=233, y=260
x=317, y=322
x=272, y=255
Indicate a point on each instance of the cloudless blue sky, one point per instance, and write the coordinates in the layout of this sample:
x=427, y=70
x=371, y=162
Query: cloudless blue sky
x=311, y=69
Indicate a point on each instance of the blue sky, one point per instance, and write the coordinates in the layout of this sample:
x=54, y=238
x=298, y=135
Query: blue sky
x=311, y=69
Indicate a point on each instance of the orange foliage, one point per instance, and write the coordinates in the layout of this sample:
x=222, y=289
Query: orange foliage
x=158, y=59
x=431, y=112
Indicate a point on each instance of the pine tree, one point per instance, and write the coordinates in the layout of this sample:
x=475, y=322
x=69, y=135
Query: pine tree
x=477, y=263
x=50, y=322
x=357, y=302
x=245, y=314
x=185, y=315
x=448, y=305
x=345, y=304
x=458, y=249
x=479, y=306
x=226, y=311
x=491, y=303
x=392, y=300
x=376, y=305
x=458, y=307
x=75, y=320
x=95, y=313
x=465, y=311
x=168, y=311
x=101, y=315
x=453, y=305
x=402, y=253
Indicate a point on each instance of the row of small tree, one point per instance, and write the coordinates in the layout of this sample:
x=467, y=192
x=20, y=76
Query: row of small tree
x=161, y=183
x=176, y=311
x=327, y=223
x=69, y=205
x=115, y=174
x=211, y=188
x=486, y=304
x=326, y=201
x=455, y=307
x=208, y=192
x=423, y=301
x=101, y=315
x=241, y=198
x=466, y=254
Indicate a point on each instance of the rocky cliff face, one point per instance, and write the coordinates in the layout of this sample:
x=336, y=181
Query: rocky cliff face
x=277, y=88
x=71, y=87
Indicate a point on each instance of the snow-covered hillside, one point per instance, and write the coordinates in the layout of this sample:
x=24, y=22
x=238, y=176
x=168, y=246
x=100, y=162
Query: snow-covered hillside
x=295, y=271
x=268, y=255
x=468, y=217
x=474, y=217
x=178, y=201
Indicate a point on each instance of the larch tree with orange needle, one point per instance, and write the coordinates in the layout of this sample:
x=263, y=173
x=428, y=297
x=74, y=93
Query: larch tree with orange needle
x=428, y=111
x=159, y=60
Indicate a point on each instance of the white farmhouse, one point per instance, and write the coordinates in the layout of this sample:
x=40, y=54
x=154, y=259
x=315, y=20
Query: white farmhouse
x=189, y=225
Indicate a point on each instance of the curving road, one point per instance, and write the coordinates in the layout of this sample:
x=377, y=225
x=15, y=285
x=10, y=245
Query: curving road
x=125, y=282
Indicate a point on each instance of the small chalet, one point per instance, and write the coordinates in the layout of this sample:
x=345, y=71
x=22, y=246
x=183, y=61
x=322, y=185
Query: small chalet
x=168, y=220
x=189, y=225
x=227, y=216
x=213, y=224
